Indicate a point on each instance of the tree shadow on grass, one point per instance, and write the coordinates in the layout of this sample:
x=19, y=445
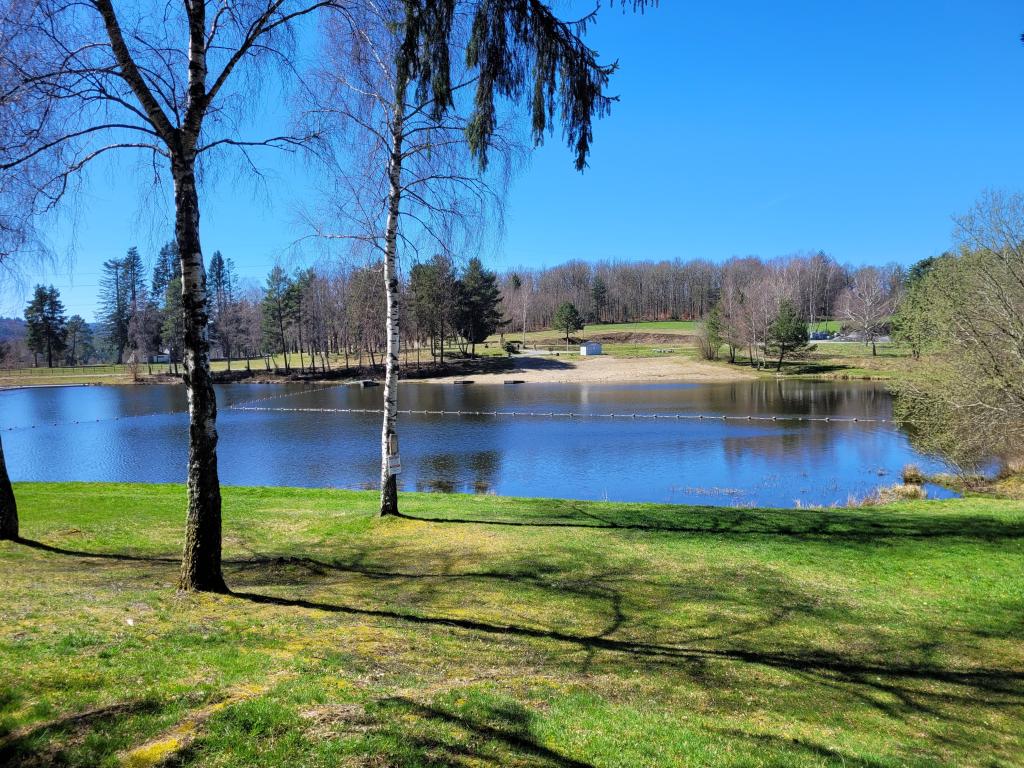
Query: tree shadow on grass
x=499, y=733
x=48, y=743
x=911, y=683
x=989, y=686
x=120, y=556
x=825, y=524
x=804, y=747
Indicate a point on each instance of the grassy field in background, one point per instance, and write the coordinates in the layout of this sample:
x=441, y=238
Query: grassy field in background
x=485, y=631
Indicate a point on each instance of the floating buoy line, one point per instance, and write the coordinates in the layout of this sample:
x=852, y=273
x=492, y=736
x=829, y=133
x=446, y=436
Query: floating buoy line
x=572, y=415
x=253, y=406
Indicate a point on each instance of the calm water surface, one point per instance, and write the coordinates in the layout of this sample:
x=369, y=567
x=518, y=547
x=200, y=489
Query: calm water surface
x=139, y=434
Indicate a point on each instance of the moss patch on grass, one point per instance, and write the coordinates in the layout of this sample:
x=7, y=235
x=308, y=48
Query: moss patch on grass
x=513, y=632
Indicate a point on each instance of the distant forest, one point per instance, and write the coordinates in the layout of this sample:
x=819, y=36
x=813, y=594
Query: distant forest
x=339, y=310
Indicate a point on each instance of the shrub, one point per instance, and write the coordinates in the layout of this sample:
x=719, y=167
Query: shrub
x=891, y=494
x=912, y=475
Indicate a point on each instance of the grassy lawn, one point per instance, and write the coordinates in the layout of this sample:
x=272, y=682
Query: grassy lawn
x=682, y=327
x=850, y=360
x=484, y=631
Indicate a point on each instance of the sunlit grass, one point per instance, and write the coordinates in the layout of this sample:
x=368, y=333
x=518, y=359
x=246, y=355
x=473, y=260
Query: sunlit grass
x=521, y=632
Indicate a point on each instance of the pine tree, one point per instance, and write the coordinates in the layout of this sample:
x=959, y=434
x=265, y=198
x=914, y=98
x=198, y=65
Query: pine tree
x=113, y=309
x=134, y=281
x=166, y=269
x=434, y=293
x=277, y=312
x=47, y=324
x=478, y=315
x=599, y=297
x=78, y=340
x=787, y=333
x=172, y=324
x=220, y=286
x=123, y=295
x=568, y=319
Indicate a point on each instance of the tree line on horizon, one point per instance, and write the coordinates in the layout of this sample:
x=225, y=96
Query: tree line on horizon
x=309, y=315
x=323, y=311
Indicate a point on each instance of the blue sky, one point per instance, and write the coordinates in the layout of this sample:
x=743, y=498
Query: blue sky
x=743, y=128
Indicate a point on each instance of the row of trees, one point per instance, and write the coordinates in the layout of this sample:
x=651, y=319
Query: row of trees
x=755, y=293
x=310, y=316
x=325, y=311
x=622, y=292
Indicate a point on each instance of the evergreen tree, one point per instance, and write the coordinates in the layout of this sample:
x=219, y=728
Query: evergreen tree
x=277, y=312
x=787, y=333
x=47, y=324
x=914, y=324
x=165, y=292
x=598, y=297
x=134, y=281
x=123, y=295
x=78, y=341
x=568, y=319
x=298, y=292
x=172, y=324
x=220, y=287
x=434, y=289
x=478, y=315
x=711, y=333
x=114, y=307
x=166, y=269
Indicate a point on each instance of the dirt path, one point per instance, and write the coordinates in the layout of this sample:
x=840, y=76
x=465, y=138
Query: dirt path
x=604, y=369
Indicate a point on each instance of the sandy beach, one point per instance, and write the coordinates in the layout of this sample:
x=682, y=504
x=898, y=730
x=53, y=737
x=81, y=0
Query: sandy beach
x=601, y=370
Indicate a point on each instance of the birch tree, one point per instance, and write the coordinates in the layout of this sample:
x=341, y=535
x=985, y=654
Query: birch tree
x=169, y=81
x=424, y=82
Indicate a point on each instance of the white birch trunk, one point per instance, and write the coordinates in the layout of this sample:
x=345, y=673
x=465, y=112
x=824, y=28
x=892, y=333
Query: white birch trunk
x=389, y=432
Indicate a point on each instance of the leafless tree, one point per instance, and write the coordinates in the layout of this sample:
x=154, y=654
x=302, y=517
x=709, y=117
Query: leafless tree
x=867, y=304
x=171, y=81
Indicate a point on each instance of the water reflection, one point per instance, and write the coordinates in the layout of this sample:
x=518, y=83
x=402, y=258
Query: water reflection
x=138, y=433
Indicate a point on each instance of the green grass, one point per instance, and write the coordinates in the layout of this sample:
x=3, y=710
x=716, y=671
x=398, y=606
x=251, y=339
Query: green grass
x=846, y=360
x=486, y=631
x=663, y=326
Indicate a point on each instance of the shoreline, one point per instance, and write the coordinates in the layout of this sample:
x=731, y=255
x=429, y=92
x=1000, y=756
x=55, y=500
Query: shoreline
x=604, y=369
x=523, y=369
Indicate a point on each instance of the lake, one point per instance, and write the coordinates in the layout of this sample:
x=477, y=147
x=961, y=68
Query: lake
x=138, y=433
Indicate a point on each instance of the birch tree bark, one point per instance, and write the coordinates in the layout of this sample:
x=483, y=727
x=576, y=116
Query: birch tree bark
x=389, y=433
x=201, y=557
x=90, y=79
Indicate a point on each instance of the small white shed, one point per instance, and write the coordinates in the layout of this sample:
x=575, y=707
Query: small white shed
x=590, y=348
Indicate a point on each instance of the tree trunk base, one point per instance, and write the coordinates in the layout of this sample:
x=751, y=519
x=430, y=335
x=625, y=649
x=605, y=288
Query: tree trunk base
x=216, y=586
x=389, y=497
